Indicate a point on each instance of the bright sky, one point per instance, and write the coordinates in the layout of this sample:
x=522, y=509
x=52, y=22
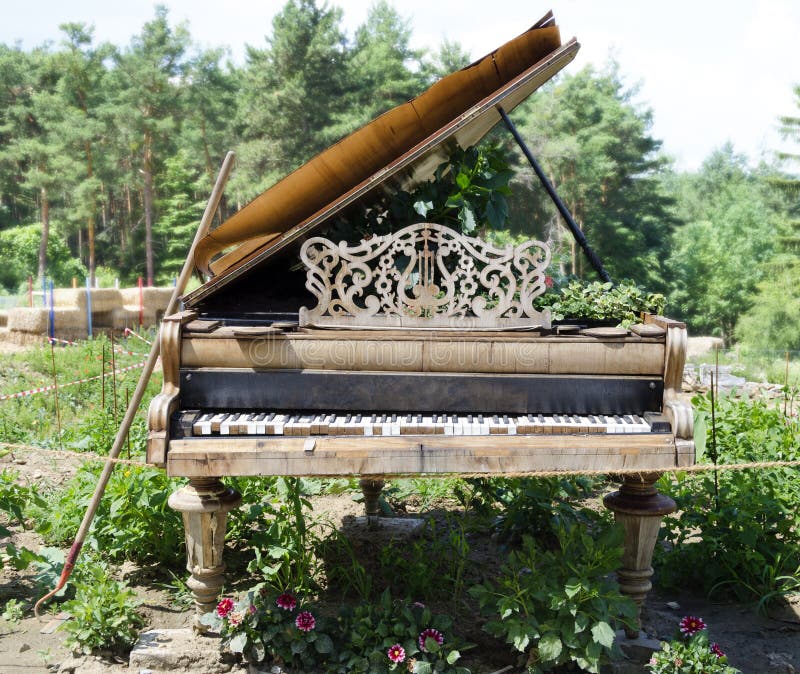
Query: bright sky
x=711, y=70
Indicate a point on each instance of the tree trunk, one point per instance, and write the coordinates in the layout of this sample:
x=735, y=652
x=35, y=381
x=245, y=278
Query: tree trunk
x=90, y=219
x=147, y=198
x=45, y=233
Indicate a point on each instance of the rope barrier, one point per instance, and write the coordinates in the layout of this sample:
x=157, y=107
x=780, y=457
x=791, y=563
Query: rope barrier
x=697, y=468
x=85, y=456
x=130, y=333
x=45, y=389
x=67, y=342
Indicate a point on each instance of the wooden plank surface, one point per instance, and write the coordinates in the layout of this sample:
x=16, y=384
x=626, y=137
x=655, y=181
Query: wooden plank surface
x=328, y=455
x=452, y=353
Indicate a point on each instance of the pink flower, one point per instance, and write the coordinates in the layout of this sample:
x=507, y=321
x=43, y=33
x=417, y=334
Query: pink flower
x=652, y=661
x=224, y=607
x=286, y=601
x=305, y=622
x=678, y=662
x=548, y=281
x=396, y=653
x=430, y=633
x=691, y=625
x=252, y=608
x=235, y=618
x=418, y=604
x=716, y=650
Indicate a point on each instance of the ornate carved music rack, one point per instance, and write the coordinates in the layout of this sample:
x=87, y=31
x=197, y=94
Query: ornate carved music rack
x=425, y=276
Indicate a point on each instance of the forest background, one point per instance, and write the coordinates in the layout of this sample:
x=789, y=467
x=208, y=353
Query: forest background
x=108, y=153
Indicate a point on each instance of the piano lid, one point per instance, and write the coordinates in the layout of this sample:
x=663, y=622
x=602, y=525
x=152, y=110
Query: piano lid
x=405, y=144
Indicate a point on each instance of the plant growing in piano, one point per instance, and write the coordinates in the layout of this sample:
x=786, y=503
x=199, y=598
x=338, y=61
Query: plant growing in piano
x=691, y=652
x=597, y=301
x=559, y=607
x=467, y=192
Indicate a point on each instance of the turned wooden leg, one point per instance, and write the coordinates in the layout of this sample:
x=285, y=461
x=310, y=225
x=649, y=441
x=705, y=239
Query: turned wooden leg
x=639, y=508
x=205, y=503
x=372, y=491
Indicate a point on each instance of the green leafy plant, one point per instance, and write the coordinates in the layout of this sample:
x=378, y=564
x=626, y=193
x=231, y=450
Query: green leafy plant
x=267, y=623
x=748, y=521
x=690, y=652
x=466, y=192
x=282, y=541
x=559, y=607
x=13, y=612
x=104, y=615
x=14, y=499
x=391, y=635
x=621, y=303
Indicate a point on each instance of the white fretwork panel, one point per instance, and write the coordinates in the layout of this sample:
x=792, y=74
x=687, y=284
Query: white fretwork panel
x=424, y=276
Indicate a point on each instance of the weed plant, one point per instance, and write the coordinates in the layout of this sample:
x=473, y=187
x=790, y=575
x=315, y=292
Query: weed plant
x=559, y=607
x=736, y=534
x=104, y=615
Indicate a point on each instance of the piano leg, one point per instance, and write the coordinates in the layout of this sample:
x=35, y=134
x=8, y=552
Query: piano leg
x=204, y=504
x=639, y=508
x=372, y=492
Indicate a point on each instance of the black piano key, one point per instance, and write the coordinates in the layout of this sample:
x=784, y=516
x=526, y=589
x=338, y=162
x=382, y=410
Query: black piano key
x=357, y=419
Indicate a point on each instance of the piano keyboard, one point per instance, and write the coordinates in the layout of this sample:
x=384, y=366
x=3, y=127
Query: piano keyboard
x=319, y=424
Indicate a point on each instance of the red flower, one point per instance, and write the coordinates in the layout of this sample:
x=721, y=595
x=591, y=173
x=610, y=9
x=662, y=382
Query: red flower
x=548, y=281
x=691, y=625
x=716, y=650
x=305, y=622
x=286, y=601
x=396, y=653
x=429, y=633
x=225, y=607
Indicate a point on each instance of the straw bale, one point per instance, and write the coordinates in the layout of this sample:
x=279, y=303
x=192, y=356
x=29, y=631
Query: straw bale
x=28, y=319
x=3, y=319
x=128, y=317
x=104, y=299
x=68, y=297
x=154, y=299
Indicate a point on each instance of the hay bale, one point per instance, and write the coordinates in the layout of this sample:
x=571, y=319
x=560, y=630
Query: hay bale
x=104, y=299
x=30, y=320
x=3, y=319
x=154, y=299
x=68, y=297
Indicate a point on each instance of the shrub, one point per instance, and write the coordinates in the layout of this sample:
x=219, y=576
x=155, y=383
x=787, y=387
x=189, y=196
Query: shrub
x=103, y=612
x=736, y=534
x=558, y=607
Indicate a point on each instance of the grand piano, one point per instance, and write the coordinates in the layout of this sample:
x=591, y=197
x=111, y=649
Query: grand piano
x=417, y=352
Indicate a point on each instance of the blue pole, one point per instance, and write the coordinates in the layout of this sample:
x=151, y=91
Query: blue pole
x=52, y=312
x=89, y=307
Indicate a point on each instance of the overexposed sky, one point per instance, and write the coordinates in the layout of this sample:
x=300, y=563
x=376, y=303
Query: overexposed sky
x=711, y=70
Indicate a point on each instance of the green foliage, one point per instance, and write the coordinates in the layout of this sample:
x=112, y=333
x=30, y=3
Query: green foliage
x=369, y=630
x=773, y=320
x=13, y=612
x=594, y=142
x=467, y=192
x=266, y=623
x=15, y=498
x=622, y=303
x=133, y=520
x=736, y=534
x=732, y=228
x=532, y=506
x=690, y=654
x=559, y=607
x=104, y=615
x=281, y=538
x=19, y=247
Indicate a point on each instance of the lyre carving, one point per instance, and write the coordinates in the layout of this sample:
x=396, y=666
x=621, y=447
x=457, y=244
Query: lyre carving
x=425, y=276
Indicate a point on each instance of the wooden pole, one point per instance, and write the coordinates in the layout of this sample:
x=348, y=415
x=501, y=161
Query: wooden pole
x=113, y=377
x=55, y=395
x=141, y=386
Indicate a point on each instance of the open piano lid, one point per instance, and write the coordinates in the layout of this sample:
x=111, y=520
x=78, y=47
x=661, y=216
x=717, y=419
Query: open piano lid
x=405, y=144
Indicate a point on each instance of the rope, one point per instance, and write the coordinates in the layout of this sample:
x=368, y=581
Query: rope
x=85, y=456
x=697, y=468
x=131, y=333
x=44, y=389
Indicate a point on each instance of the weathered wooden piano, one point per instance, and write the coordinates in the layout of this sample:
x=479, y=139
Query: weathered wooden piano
x=417, y=352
